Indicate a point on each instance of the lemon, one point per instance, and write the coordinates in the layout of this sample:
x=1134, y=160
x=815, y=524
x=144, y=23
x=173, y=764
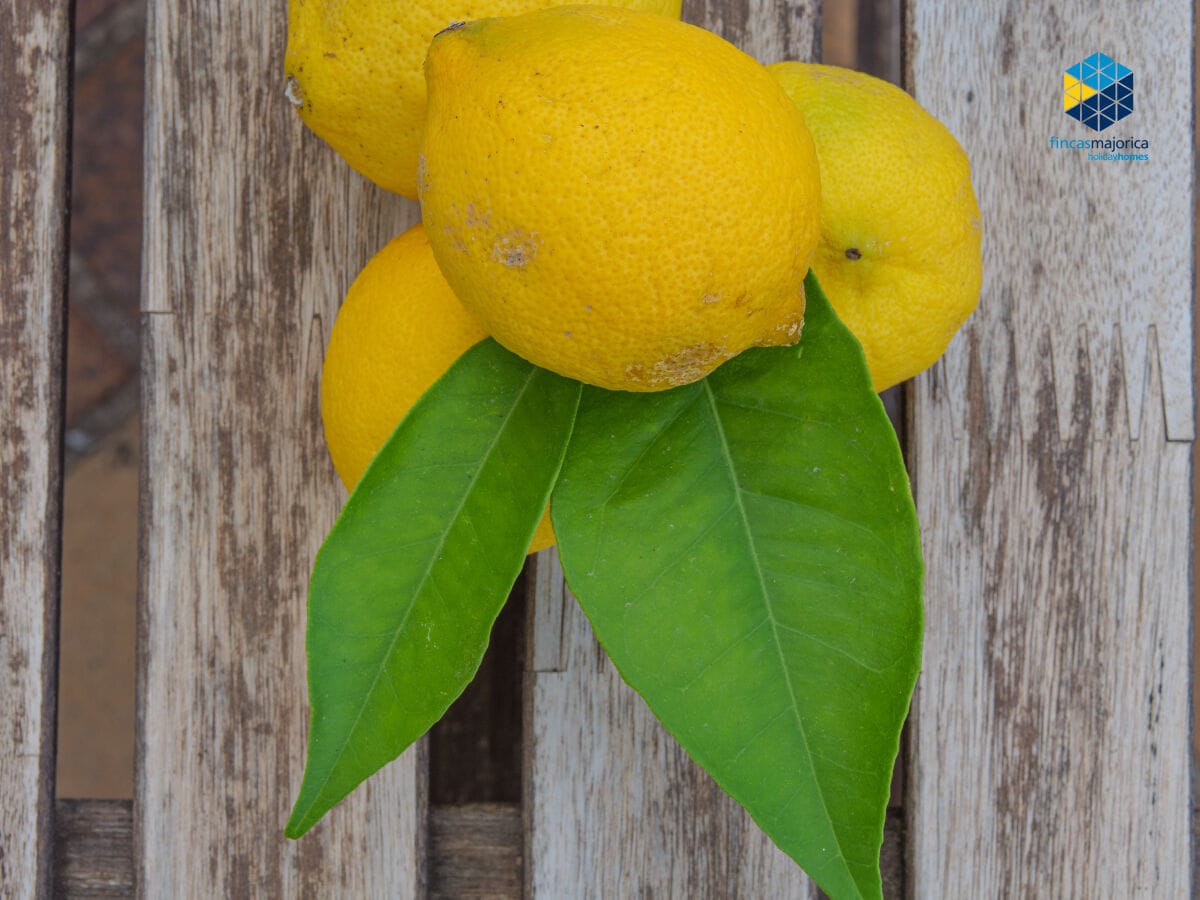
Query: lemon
x=399, y=329
x=618, y=197
x=900, y=226
x=353, y=72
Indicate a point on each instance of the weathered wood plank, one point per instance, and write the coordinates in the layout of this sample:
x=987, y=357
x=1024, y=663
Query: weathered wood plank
x=614, y=807
x=93, y=849
x=769, y=30
x=254, y=229
x=34, y=81
x=1082, y=256
x=475, y=851
x=1051, y=747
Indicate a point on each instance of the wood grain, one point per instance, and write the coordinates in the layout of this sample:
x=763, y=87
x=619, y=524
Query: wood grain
x=769, y=30
x=1082, y=256
x=475, y=851
x=254, y=230
x=93, y=849
x=1050, y=753
x=614, y=807
x=34, y=157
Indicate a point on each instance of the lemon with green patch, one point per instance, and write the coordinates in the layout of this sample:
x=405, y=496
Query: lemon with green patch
x=900, y=252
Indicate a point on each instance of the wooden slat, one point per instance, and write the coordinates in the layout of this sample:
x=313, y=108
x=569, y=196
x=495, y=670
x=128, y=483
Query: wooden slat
x=1052, y=464
x=254, y=230
x=614, y=807
x=34, y=79
x=475, y=851
x=769, y=30
x=93, y=849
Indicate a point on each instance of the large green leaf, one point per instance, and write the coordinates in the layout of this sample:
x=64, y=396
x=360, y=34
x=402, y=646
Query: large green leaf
x=412, y=576
x=747, y=551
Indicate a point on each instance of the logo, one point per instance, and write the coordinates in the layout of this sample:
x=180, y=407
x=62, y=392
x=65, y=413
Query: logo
x=1098, y=91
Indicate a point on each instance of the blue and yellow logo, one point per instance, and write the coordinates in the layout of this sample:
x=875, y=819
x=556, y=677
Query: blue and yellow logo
x=1098, y=91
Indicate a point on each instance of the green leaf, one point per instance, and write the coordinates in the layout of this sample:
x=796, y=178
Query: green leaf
x=747, y=551
x=411, y=578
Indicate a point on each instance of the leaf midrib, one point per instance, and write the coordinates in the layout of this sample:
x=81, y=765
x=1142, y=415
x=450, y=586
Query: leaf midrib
x=420, y=588
x=727, y=455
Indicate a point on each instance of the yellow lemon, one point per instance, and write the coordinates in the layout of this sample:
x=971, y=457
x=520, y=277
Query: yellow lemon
x=353, y=72
x=399, y=329
x=900, y=227
x=618, y=197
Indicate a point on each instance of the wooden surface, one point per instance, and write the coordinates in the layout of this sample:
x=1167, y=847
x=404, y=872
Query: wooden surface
x=93, y=849
x=614, y=807
x=474, y=851
x=254, y=229
x=34, y=79
x=1051, y=462
x=1051, y=453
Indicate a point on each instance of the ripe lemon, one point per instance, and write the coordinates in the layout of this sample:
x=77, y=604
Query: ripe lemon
x=399, y=329
x=354, y=73
x=900, y=226
x=618, y=197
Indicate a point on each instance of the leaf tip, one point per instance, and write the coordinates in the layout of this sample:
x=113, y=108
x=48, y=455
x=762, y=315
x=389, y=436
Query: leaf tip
x=304, y=816
x=297, y=826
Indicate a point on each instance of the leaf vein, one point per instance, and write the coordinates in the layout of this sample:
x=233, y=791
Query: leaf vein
x=433, y=558
x=669, y=567
x=795, y=707
x=828, y=646
x=857, y=526
x=729, y=648
x=684, y=407
x=759, y=733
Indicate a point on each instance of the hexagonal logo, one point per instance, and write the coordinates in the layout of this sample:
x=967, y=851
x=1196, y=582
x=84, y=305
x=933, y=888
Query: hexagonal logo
x=1098, y=91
